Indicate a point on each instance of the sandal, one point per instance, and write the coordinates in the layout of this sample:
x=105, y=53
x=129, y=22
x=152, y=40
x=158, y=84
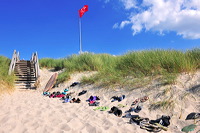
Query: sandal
x=130, y=110
x=94, y=104
x=114, y=98
x=104, y=108
x=73, y=100
x=78, y=100
x=161, y=126
x=137, y=119
x=66, y=90
x=149, y=127
x=144, y=99
x=121, y=98
x=136, y=101
x=97, y=108
x=121, y=105
x=101, y=108
x=67, y=100
x=138, y=109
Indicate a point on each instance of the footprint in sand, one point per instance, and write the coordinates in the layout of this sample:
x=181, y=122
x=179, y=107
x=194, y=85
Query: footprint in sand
x=73, y=124
x=56, y=121
x=107, y=124
x=112, y=130
x=35, y=125
x=65, y=127
x=89, y=129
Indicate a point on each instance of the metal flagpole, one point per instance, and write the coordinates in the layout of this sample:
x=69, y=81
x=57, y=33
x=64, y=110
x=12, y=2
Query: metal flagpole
x=80, y=51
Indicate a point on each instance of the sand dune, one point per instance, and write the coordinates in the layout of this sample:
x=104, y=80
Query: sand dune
x=28, y=111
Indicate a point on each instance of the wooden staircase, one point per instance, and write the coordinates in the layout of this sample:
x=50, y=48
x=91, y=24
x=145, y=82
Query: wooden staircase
x=26, y=71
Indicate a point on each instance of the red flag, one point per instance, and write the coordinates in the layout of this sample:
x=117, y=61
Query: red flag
x=83, y=10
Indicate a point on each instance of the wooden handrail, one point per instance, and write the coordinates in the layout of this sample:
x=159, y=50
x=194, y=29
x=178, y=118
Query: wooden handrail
x=35, y=61
x=15, y=58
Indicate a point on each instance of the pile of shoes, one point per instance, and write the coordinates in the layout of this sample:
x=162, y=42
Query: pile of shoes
x=74, y=100
x=152, y=125
x=93, y=101
x=116, y=98
x=116, y=111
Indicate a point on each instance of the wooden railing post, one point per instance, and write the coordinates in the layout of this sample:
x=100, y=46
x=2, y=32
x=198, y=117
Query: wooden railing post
x=37, y=65
x=35, y=60
x=15, y=58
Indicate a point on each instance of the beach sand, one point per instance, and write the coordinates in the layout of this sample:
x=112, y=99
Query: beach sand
x=28, y=111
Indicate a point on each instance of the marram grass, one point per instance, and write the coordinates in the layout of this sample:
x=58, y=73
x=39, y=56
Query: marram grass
x=6, y=81
x=131, y=69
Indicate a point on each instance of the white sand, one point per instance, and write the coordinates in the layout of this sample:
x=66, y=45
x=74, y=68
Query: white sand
x=28, y=111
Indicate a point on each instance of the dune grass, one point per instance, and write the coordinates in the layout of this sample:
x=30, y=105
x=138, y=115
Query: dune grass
x=6, y=81
x=165, y=105
x=136, y=68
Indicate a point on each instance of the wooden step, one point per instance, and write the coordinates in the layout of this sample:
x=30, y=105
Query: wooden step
x=28, y=72
x=25, y=81
x=19, y=72
x=26, y=78
x=17, y=67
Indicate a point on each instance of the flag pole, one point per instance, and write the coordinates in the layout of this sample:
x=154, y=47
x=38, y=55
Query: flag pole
x=80, y=50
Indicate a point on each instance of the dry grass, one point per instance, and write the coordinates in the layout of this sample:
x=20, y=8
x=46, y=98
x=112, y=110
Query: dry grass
x=5, y=88
x=167, y=104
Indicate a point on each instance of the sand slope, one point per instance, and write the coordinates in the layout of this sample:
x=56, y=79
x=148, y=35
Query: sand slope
x=28, y=111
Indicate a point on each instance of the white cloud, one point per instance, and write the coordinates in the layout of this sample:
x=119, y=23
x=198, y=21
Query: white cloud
x=180, y=16
x=116, y=25
x=124, y=23
x=128, y=4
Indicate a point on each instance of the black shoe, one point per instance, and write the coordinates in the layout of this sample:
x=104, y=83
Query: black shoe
x=81, y=93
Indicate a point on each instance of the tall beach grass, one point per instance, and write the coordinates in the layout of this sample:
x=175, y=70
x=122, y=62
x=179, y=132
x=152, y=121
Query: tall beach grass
x=136, y=68
x=6, y=81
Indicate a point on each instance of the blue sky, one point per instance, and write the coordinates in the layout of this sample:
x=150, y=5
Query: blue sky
x=110, y=26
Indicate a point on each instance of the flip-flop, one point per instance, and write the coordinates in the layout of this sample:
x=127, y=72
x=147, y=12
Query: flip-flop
x=67, y=100
x=189, y=128
x=121, y=105
x=121, y=98
x=73, y=100
x=161, y=126
x=115, y=98
x=150, y=127
x=104, y=108
x=64, y=93
x=136, y=101
x=97, y=108
x=78, y=100
x=65, y=90
x=144, y=99
x=138, y=109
